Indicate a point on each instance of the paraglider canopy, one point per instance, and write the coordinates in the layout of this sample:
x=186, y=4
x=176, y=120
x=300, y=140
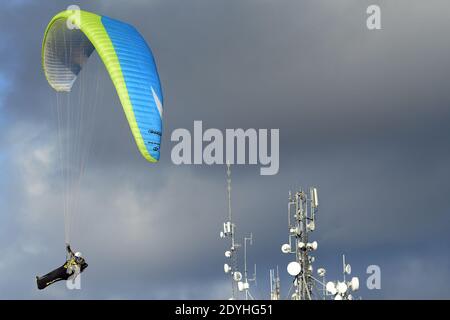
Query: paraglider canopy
x=69, y=40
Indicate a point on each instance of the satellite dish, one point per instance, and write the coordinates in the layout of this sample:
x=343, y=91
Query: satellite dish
x=226, y=268
x=301, y=245
x=294, y=268
x=321, y=272
x=222, y=235
x=349, y=297
x=354, y=283
x=294, y=230
x=237, y=276
x=285, y=248
x=312, y=245
x=348, y=269
x=331, y=287
x=338, y=297
x=341, y=287
x=240, y=286
x=228, y=254
x=311, y=226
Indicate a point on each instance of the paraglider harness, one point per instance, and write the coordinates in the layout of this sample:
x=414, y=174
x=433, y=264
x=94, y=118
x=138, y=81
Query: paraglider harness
x=69, y=270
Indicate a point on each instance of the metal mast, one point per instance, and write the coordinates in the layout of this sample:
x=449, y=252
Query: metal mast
x=230, y=218
x=342, y=290
x=274, y=285
x=245, y=285
x=229, y=231
x=302, y=209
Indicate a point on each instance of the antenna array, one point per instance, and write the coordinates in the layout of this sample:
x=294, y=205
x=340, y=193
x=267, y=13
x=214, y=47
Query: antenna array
x=239, y=282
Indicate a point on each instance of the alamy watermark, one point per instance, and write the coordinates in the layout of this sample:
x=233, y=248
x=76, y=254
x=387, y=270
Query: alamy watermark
x=374, y=279
x=236, y=146
x=373, y=21
x=74, y=20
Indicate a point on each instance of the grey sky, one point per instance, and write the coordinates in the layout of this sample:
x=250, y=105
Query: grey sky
x=362, y=115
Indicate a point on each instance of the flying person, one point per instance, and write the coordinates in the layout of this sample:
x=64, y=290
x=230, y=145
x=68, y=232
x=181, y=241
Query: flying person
x=133, y=72
x=74, y=265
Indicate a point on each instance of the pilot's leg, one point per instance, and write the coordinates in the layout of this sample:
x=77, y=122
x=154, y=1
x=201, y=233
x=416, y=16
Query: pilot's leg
x=52, y=277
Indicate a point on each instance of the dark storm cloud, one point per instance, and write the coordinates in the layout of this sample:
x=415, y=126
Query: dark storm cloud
x=363, y=115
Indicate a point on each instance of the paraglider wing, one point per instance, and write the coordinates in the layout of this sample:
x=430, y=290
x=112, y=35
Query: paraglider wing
x=127, y=58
